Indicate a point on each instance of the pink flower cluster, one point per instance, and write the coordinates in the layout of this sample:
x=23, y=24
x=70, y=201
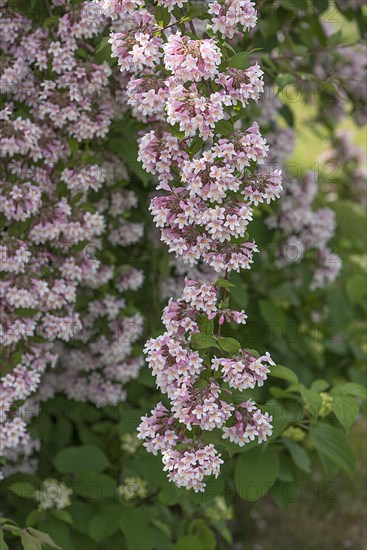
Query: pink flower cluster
x=191, y=60
x=232, y=16
x=243, y=370
x=208, y=194
x=305, y=229
x=250, y=423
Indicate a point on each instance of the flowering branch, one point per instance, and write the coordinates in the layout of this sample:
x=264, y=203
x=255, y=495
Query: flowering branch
x=210, y=179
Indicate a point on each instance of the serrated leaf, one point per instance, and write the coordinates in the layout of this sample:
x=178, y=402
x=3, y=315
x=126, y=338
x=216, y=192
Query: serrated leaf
x=350, y=388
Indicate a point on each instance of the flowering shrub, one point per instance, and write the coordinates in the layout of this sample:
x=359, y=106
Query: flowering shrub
x=186, y=114
x=56, y=102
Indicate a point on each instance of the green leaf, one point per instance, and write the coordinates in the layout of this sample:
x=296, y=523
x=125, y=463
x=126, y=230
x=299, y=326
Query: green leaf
x=356, y=288
x=43, y=537
x=284, y=373
x=203, y=341
x=230, y=345
x=239, y=61
x=273, y=315
x=282, y=416
x=23, y=489
x=105, y=523
x=224, y=283
x=350, y=388
x=287, y=114
x=196, y=10
x=312, y=400
x=81, y=514
x=333, y=443
x=62, y=515
x=3, y=544
x=256, y=471
x=285, y=469
x=79, y=459
x=346, y=410
x=162, y=16
x=206, y=325
x=284, y=80
x=299, y=455
x=34, y=517
x=206, y=535
x=29, y=542
x=320, y=385
x=189, y=542
x=224, y=128
x=285, y=494
x=88, y=484
x=103, y=44
x=134, y=523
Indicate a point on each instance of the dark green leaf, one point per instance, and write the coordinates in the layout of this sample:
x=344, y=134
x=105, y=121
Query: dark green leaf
x=79, y=459
x=256, y=471
x=230, y=345
x=333, y=443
